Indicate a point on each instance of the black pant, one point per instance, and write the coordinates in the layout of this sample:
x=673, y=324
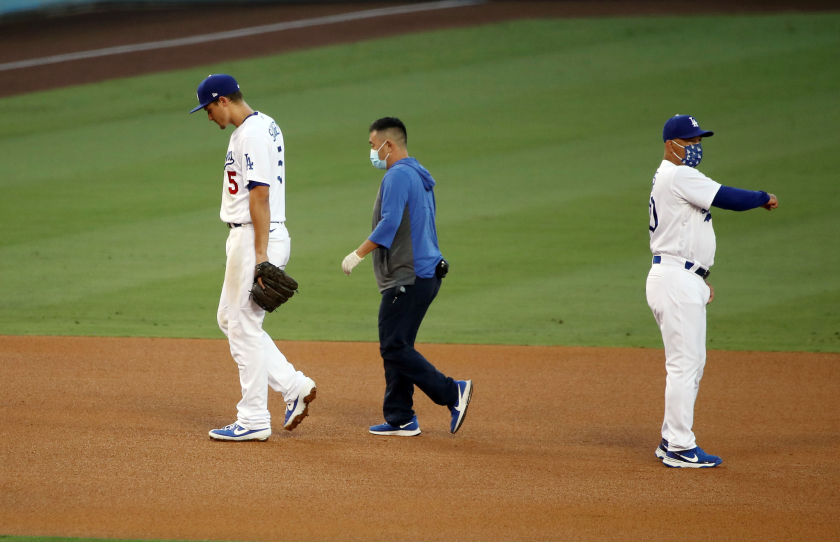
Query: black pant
x=400, y=316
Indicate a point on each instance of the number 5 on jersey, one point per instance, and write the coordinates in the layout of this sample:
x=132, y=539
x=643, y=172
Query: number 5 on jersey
x=233, y=188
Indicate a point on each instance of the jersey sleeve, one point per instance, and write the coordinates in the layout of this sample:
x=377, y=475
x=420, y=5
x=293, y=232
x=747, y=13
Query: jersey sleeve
x=394, y=199
x=736, y=199
x=256, y=162
x=695, y=188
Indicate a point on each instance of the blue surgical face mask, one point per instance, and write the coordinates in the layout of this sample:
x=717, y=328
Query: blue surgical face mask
x=374, y=158
x=693, y=154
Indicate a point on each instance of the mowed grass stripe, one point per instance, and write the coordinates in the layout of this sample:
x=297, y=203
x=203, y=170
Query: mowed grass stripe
x=543, y=137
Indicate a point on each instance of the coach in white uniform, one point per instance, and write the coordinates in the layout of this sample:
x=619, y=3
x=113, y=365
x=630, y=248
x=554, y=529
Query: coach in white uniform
x=254, y=208
x=682, y=241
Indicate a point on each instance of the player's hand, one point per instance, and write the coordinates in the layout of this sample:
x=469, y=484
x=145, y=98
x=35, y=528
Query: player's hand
x=711, y=293
x=259, y=261
x=350, y=261
x=772, y=203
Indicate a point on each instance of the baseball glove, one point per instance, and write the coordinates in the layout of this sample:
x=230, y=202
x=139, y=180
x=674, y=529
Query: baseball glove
x=278, y=287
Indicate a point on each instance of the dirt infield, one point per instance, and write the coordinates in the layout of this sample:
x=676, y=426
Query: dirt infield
x=35, y=38
x=108, y=437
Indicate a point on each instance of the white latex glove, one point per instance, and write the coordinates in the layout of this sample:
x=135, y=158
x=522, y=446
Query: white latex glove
x=350, y=261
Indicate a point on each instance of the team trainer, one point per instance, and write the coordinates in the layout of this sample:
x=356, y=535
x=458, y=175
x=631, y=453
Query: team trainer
x=254, y=208
x=682, y=241
x=409, y=269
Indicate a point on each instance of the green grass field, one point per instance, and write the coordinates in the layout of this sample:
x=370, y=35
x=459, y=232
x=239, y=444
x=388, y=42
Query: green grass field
x=543, y=137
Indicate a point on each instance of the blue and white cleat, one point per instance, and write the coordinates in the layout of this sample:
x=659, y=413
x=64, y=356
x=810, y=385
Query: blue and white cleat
x=409, y=429
x=459, y=411
x=236, y=432
x=694, y=458
x=298, y=409
x=662, y=449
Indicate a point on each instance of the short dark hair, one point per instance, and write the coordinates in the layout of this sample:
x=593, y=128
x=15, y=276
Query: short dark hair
x=391, y=123
x=236, y=97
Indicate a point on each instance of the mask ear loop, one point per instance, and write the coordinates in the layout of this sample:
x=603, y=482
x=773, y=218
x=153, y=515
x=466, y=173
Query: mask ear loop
x=387, y=155
x=672, y=151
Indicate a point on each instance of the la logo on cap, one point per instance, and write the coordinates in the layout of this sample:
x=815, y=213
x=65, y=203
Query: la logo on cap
x=693, y=122
x=215, y=94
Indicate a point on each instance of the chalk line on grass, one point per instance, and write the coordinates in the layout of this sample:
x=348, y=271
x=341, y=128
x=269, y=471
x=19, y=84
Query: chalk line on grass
x=240, y=33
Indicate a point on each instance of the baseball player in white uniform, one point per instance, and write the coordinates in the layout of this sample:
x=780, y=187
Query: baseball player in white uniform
x=682, y=241
x=254, y=208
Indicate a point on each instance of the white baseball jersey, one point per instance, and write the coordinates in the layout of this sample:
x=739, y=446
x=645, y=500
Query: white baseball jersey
x=255, y=156
x=680, y=217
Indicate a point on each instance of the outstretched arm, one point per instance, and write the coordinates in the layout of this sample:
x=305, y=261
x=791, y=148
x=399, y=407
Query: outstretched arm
x=736, y=199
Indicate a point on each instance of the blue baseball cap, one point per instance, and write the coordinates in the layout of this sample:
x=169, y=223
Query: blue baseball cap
x=213, y=88
x=683, y=127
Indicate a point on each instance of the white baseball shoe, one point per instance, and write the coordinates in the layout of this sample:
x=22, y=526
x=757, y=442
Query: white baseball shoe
x=298, y=409
x=236, y=432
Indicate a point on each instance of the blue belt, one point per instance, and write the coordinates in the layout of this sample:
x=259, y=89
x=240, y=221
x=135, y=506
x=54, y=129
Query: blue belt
x=703, y=273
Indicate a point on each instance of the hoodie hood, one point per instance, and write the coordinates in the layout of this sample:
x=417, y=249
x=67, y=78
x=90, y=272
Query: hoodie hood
x=428, y=181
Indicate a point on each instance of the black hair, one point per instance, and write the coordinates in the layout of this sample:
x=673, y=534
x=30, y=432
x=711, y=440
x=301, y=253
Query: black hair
x=235, y=97
x=390, y=123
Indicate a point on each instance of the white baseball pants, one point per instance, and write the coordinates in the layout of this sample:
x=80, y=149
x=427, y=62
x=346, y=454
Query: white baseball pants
x=260, y=363
x=678, y=300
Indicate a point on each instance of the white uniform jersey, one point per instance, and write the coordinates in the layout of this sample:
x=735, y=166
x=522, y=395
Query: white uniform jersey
x=255, y=156
x=680, y=217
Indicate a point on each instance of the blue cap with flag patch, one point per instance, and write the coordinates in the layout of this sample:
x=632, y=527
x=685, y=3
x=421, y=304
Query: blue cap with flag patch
x=213, y=88
x=683, y=127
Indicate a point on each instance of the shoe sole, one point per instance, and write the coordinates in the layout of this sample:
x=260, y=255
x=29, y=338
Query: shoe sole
x=464, y=413
x=668, y=462
x=660, y=454
x=400, y=433
x=244, y=438
x=295, y=421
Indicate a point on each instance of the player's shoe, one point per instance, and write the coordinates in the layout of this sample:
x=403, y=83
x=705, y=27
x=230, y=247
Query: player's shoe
x=409, y=429
x=459, y=410
x=694, y=458
x=236, y=432
x=662, y=449
x=298, y=409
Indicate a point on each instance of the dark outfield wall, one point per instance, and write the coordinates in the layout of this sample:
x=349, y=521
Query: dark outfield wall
x=28, y=7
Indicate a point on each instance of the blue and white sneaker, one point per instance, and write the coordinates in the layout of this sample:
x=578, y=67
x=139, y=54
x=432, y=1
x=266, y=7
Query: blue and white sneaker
x=298, y=409
x=409, y=429
x=694, y=458
x=662, y=449
x=459, y=411
x=235, y=431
